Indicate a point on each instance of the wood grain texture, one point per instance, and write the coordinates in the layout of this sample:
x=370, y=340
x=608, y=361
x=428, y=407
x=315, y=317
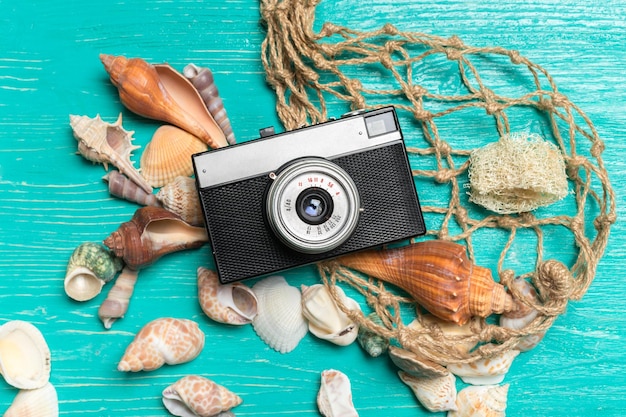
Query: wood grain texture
x=51, y=200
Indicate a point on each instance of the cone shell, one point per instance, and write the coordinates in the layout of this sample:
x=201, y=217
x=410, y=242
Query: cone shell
x=122, y=187
x=198, y=396
x=168, y=155
x=39, y=402
x=151, y=233
x=233, y=303
x=486, y=371
x=181, y=197
x=89, y=268
x=160, y=92
x=24, y=355
x=439, y=276
x=334, y=398
x=279, y=321
x=163, y=341
x=484, y=401
x=436, y=394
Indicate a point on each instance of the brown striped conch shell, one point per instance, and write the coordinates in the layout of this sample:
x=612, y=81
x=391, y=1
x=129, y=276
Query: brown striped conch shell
x=334, y=398
x=168, y=155
x=233, y=303
x=181, y=197
x=163, y=341
x=485, y=371
x=122, y=187
x=415, y=365
x=202, y=79
x=435, y=394
x=439, y=277
x=194, y=395
x=106, y=143
x=523, y=315
x=484, y=401
x=24, y=355
x=151, y=233
x=39, y=402
x=115, y=305
x=160, y=92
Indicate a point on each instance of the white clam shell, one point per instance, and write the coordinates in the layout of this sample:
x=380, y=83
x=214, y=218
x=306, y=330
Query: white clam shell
x=194, y=395
x=233, y=303
x=334, y=398
x=279, y=321
x=483, y=401
x=39, y=402
x=326, y=320
x=486, y=371
x=24, y=355
x=436, y=394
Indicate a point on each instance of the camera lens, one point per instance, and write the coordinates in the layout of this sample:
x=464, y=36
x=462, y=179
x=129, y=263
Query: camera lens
x=314, y=206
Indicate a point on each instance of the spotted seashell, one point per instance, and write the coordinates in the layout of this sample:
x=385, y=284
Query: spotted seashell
x=163, y=341
x=523, y=315
x=198, y=396
x=181, y=197
x=120, y=186
x=39, y=402
x=415, y=365
x=372, y=342
x=279, y=321
x=89, y=268
x=483, y=401
x=24, y=355
x=107, y=143
x=486, y=371
x=233, y=303
x=436, y=394
x=334, y=398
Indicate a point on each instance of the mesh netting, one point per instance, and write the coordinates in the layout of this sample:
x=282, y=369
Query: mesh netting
x=311, y=70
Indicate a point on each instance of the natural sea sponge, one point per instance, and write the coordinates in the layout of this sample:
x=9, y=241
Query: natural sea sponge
x=519, y=173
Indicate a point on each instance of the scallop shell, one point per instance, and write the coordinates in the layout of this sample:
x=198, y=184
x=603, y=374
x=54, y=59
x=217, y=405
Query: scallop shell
x=486, y=371
x=415, y=365
x=168, y=155
x=116, y=304
x=120, y=186
x=233, y=303
x=198, y=396
x=334, y=398
x=107, y=143
x=483, y=401
x=39, y=402
x=373, y=343
x=24, y=355
x=326, y=320
x=202, y=79
x=163, y=341
x=181, y=197
x=89, y=268
x=436, y=394
x=524, y=314
x=279, y=321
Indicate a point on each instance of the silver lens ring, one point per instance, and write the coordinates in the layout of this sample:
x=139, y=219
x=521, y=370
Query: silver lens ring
x=313, y=205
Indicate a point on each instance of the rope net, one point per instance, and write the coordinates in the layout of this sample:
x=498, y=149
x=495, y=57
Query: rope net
x=310, y=71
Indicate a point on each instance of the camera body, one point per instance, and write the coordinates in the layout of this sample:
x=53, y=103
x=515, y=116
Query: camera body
x=307, y=195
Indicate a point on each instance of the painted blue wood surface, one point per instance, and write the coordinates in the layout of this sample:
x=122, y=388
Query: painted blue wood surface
x=51, y=200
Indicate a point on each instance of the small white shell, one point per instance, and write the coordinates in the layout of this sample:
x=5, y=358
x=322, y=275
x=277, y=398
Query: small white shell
x=24, y=355
x=416, y=365
x=194, y=395
x=523, y=315
x=487, y=371
x=279, y=321
x=326, y=320
x=39, y=402
x=233, y=303
x=334, y=398
x=483, y=401
x=436, y=394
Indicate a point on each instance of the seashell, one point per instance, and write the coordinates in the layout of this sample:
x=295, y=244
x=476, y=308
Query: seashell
x=326, y=320
x=116, y=304
x=439, y=276
x=24, y=355
x=486, y=371
x=160, y=92
x=373, y=343
x=279, y=321
x=198, y=396
x=202, y=79
x=39, y=402
x=151, y=233
x=334, y=398
x=168, y=155
x=456, y=336
x=484, y=401
x=523, y=315
x=89, y=268
x=181, y=197
x=163, y=341
x=233, y=303
x=436, y=394
x=415, y=365
x=120, y=186
x=107, y=143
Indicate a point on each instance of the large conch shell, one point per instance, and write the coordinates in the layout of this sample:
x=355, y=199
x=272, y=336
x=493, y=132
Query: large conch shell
x=439, y=276
x=160, y=92
x=116, y=304
x=194, y=395
x=151, y=233
x=24, y=355
x=163, y=341
x=39, y=402
x=122, y=187
x=233, y=303
x=106, y=143
x=89, y=268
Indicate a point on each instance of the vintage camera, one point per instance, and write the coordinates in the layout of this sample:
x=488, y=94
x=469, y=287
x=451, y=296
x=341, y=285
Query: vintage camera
x=307, y=195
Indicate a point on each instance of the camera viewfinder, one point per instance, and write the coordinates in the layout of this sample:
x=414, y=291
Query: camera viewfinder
x=380, y=124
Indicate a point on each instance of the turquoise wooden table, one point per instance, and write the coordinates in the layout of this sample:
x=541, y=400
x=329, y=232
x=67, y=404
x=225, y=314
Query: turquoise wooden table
x=52, y=200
